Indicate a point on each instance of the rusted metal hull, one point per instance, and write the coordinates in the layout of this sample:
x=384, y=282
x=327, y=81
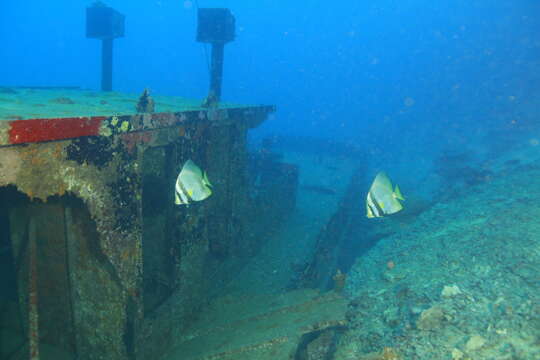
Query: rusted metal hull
x=81, y=182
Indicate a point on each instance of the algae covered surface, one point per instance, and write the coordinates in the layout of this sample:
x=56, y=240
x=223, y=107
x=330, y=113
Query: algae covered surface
x=460, y=282
x=21, y=103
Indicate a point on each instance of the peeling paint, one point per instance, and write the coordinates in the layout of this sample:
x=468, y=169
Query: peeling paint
x=105, y=173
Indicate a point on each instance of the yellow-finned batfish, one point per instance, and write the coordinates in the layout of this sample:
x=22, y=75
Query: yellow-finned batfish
x=382, y=199
x=191, y=185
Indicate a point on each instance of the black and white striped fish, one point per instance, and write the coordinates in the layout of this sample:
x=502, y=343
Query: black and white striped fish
x=382, y=199
x=191, y=185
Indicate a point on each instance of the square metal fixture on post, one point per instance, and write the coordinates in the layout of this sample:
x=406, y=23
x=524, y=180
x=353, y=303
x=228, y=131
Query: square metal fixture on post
x=106, y=24
x=103, y=22
x=215, y=26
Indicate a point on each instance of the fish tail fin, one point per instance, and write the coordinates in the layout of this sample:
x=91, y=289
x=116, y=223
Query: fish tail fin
x=397, y=194
x=205, y=180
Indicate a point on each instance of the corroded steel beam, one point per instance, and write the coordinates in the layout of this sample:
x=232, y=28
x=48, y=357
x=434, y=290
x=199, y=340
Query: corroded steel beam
x=37, y=130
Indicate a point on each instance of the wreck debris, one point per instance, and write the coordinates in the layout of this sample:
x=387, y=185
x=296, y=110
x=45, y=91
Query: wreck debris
x=84, y=177
x=146, y=103
x=339, y=281
x=291, y=325
x=211, y=101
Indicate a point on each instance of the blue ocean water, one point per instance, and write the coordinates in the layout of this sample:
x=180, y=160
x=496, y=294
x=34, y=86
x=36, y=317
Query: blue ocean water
x=444, y=96
x=317, y=61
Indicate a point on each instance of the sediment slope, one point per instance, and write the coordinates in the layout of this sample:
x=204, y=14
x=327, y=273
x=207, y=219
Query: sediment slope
x=460, y=282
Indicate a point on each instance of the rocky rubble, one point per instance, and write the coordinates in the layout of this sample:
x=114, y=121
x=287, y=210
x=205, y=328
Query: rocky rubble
x=463, y=281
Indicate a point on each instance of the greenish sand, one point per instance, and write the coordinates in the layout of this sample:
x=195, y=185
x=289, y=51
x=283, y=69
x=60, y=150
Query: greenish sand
x=31, y=103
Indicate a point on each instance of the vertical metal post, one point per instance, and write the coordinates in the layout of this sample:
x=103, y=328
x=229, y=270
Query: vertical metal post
x=106, y=64
x=216, y=71
x=33, y=315
x=72, y=251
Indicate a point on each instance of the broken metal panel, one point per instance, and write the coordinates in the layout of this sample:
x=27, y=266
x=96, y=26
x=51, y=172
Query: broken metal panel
x=53, y=292
x=104, y=263
x=325, y=271
x=47, y=169
x=98, y=298
x=158, y=246
x=81, y=305
x=90, y=194
x=39, y=246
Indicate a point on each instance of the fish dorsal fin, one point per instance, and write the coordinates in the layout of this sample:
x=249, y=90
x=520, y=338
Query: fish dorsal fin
x=397, y=194
x=191, y=167
x=382, y=180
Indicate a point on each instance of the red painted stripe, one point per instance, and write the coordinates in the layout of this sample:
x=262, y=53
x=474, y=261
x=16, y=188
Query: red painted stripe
x=37, y=130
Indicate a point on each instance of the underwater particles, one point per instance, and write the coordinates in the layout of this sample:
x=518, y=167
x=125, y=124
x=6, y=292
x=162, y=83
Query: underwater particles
x=382, y=199
x=191, y=185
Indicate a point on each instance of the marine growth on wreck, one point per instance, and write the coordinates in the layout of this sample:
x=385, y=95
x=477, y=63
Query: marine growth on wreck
x=344, y=181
